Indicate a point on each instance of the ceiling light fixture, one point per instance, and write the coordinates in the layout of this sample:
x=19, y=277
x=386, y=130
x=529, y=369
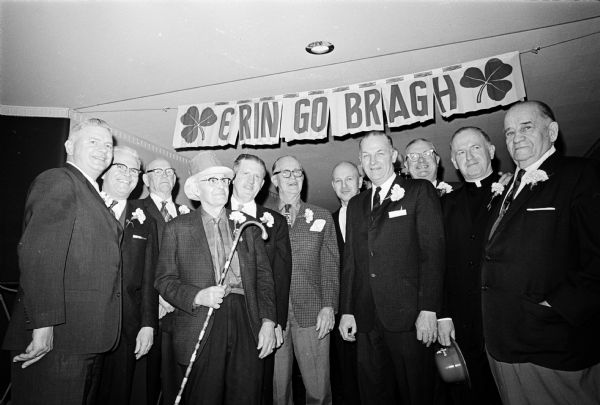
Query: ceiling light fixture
x=319, y=47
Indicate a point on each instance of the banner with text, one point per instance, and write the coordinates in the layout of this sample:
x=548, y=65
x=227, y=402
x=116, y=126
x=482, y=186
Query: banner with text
x=409, y=99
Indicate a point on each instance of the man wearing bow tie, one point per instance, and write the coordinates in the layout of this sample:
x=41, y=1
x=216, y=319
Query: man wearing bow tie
x=139, y=251
x=250, y=172
x=392, y=279
x=541, y=269
x=67, y=313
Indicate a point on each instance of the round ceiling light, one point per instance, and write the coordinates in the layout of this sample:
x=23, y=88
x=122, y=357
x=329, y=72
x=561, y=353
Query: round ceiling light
x=319, y=47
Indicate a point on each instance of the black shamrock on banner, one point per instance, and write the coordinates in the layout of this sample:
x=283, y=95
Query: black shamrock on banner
x=495, y=71
x=194, y=121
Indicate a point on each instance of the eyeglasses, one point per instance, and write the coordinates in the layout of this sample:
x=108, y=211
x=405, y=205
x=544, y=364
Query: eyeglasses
x=123, y=169
x=414, y=156
x=160, y=172
x=288, y=173
x=215, y=181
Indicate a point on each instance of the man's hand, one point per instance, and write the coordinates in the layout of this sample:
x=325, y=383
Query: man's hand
x=42, y=341
x=278, y=336
x=325, y=321
x=347, y=327
x=211, y=297
x=143, y=341
x=266, y=338
x=445, y=329
x=164, y=307
x=426, y=325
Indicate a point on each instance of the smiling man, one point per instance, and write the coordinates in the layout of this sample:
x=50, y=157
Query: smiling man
x=541, y=269
x=313, y=290
x=229, y=366
x=67, y=313
x=250, y=172
x=139, y=250
x=466, y=214
x=391, y=284
x=422, y=160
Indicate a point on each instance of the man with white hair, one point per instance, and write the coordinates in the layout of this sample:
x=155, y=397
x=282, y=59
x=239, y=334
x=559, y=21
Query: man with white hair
x=228, y=366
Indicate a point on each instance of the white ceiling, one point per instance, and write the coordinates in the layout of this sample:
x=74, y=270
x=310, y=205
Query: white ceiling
x=88, y=56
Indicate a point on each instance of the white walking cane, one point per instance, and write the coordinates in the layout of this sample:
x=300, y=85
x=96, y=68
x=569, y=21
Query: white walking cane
x=238, y=233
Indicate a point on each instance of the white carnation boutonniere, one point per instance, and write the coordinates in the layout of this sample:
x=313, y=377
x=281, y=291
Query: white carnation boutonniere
x=497, y=189
x=308, y=214
x=444, y=188
x=138, y=215
x=267, y=219
x=237, y=217
x=397, y=193
x=534, y=177
x=183, y=209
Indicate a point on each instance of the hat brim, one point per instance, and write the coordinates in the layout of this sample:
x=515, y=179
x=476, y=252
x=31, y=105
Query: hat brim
x=191, y=184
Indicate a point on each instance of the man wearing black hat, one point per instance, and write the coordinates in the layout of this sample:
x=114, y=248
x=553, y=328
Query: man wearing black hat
x=228, y=367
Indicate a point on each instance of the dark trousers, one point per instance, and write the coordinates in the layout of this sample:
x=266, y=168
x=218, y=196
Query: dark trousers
x=268, y=371
x=483, y=389
x=394, y=368
x=344, y=381
x=117, y=374
x=58, y=378
x=170, y=372
x=228, y=370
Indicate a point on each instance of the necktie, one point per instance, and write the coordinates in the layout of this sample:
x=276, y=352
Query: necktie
x=111, y=206
x=164, y=212
x=508, y=200
x=287, y=214
x=219, y=248
x=376, y=203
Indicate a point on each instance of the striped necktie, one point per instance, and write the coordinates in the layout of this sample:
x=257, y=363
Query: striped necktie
x=164, y=212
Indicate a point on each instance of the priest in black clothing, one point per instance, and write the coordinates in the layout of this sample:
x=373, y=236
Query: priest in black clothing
x=466, y=212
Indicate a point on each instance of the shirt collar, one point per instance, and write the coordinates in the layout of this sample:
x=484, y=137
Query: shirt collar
x=93, y=181
x=249, y=207
x=158, y=200
x=385, y=187
x=536, y=165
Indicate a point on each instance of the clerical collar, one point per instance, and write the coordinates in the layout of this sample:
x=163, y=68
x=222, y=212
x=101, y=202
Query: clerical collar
x=478, y=182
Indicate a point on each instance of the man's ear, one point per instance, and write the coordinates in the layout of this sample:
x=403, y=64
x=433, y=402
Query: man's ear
x=492, y=150
x=454, y=163
x=553, y=131
x=360, y=182
x=145, y=180
x=69, y=147
x=275, y=181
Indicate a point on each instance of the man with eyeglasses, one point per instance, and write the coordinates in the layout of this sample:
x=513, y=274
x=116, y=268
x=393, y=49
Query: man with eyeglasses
x=422, y=162
x=313, y=290
x=160, y=178
x=228, y=367
x=391, y=286
x=250, y=172
x=67, y=313
x=139, y=250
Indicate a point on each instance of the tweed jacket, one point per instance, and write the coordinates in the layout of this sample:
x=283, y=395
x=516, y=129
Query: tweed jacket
x=140, y=254
x=393, y=257
x=185, y=267
x=70, y=266
x=546, y=248
x=315, y=264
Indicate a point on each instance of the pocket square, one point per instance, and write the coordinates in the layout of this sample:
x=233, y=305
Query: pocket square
x=397, y=213
x=318, y=225
x=542, y=209
x=139, y=237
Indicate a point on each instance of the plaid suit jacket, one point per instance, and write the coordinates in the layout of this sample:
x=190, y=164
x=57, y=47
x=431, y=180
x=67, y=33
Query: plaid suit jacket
x=315, y=265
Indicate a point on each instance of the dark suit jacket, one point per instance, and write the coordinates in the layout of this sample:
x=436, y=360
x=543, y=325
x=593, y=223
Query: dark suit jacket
x=150, y=207
x=393, y=266
x=464, y=230
x=280, y=256
x=547, y=247
x=185, y=267
x=70, y=266
x=140, y=254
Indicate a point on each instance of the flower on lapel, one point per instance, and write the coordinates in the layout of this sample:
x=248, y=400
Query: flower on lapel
x=138, y=215
x=497, y=189
x=534, y=177
x=183, y=209
x=397, y=193
x=308, y=214
x=444, y=188
x=267, y=219
x=237, y=217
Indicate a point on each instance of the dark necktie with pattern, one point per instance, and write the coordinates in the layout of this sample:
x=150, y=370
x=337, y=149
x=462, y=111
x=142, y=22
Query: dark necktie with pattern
x=376, y=203
x=508, y=200
x=164, y=212
x=287, y=213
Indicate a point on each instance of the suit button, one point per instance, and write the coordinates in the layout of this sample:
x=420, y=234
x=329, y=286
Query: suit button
x=484, y=288
x=372, y=253
x=373, y=275
x=473, y=236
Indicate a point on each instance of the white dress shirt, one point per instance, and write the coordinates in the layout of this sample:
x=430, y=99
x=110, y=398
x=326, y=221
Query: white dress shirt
x=385, y=187
x=170, y=204
x=247, y=208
